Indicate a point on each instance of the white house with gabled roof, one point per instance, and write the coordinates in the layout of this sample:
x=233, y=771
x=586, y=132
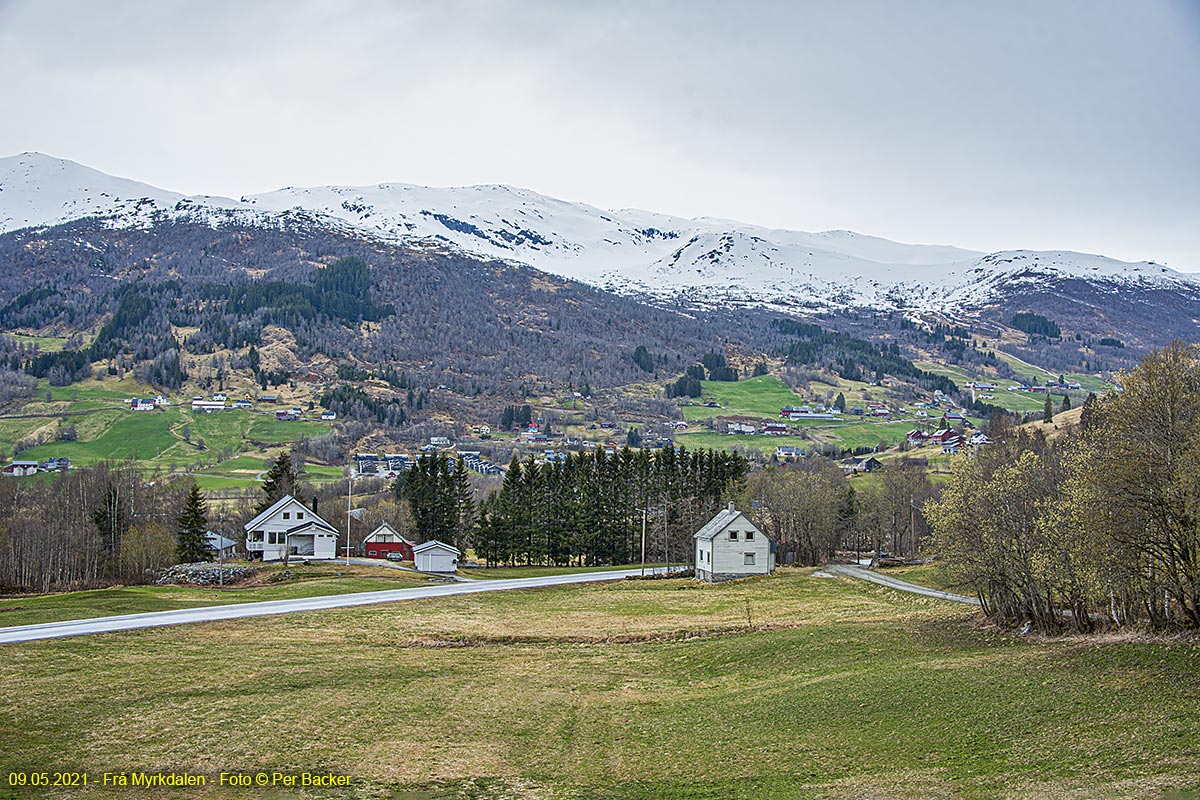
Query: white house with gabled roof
x=731, y=546
x=292, y=528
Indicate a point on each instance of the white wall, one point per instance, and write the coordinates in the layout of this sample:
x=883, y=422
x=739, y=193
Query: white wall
x=729, y=555
x=436, y=560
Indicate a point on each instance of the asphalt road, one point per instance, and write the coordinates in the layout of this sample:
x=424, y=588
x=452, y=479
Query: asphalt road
x=894, y=583
x=129, y=622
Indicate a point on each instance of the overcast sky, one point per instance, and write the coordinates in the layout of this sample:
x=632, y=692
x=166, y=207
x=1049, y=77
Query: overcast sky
x=1038, y=124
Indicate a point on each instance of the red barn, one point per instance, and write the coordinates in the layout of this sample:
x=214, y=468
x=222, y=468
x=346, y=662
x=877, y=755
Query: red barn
x=383, y=541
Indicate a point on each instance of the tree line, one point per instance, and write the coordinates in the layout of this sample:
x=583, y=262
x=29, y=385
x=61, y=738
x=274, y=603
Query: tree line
x=1100, y=526
x=97, y=526
x=588, y=508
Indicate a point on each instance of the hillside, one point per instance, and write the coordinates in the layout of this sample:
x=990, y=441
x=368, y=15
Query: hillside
x=701, y=262
x=376, y=303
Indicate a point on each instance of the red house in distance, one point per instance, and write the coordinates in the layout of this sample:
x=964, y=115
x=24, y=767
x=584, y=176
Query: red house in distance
x=384, y=541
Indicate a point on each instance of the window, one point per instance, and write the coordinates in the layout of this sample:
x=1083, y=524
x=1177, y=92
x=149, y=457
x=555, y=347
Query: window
x=299, y=515
x=733, y=536
x=287, y=515
x=370, y=552
x=749, y=559
x=749, y=535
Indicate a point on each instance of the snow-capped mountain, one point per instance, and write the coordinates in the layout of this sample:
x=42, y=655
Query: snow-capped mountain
x=700, y=261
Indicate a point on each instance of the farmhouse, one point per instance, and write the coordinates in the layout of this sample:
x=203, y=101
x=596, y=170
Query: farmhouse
x=916, y=436
x=290, y=528
x=730, y=546
x=384, y=540
x=208, y=406
x=21, y=468
x=861, y=464
x=787, y=452
x=435, y=556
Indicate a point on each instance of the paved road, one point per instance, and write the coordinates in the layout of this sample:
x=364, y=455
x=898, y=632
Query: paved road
x=128, y=622
x=893, y=583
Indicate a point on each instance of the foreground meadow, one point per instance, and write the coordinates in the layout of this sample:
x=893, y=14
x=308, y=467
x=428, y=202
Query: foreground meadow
x=790, y=686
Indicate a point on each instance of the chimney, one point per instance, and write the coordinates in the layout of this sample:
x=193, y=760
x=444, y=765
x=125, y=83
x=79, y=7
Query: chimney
x=731, y=505
x=315, y=505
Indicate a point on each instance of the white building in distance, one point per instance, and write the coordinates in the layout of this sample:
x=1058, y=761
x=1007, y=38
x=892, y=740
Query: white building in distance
x=435, y=556
x=730, y=546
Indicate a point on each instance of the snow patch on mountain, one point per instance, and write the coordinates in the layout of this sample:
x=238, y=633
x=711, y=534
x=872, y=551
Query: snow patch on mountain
x=702, y=262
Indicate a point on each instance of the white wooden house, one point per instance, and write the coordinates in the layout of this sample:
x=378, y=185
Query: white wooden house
x=730, y=546
x=293, y=528
x=435, y=556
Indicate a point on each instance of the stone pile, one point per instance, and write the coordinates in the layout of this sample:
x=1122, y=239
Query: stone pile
x=204, y=574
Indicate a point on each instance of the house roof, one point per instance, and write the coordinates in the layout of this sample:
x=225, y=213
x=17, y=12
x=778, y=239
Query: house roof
x=435, y=544
x=278, y=506
x=386, y=528
x=315, y=522
x=218, y=542
x=722, y=520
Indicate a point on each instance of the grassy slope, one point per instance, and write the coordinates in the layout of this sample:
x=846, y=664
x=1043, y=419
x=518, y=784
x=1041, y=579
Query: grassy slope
x=763, y=397
x=844, y=690
x=157, y=439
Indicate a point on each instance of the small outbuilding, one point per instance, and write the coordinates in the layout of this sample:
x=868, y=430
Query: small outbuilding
x=222, y=548
x=435, y=556
x=384, y=541
x=731, y=546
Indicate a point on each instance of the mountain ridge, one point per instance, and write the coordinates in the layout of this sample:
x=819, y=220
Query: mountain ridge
x=701, y=262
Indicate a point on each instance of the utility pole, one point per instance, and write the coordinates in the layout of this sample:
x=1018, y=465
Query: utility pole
x=349, y=498
x=643, y=542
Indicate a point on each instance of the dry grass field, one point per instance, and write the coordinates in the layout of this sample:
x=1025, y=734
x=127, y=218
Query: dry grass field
x=790, y=686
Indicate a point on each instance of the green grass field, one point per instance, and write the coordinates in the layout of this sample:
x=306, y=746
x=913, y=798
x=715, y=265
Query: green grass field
x=762, y=396
x=723, y=441
x=633, y=690
x=47, y=344
x=157, y=440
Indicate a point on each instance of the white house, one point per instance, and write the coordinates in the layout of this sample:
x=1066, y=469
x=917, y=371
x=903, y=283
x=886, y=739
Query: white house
x=730, y=546
x=290, y=527
x=435, y=556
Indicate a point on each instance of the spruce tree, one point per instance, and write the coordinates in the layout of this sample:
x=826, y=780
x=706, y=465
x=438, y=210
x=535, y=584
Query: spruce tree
x=1048, y=411
x=190, y=542
x=281, y=480
x=1066, y=403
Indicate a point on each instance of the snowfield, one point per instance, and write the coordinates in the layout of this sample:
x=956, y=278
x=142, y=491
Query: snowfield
x=703, y=262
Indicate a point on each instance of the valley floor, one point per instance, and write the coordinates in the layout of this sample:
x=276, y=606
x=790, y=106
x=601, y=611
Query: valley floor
x=789, y=686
